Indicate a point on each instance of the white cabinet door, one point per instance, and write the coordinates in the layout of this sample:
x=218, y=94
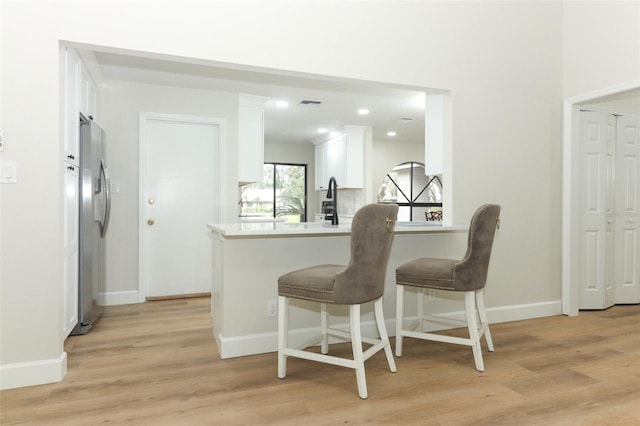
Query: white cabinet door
x=354, y=156
x=335, y=160
x=71, y=132
x=627, y=242
x=341, y=157
x=86, y=93
x=70, y=252
x=330, y=162
x=251, y=138
x=321, y=182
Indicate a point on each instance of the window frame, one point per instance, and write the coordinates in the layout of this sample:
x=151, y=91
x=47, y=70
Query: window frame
x=412, y=203
x=274, y=187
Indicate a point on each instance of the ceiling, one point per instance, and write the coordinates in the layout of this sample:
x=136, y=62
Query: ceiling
x=391, y=108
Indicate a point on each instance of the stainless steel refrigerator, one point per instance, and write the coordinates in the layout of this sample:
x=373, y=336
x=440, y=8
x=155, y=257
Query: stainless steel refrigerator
x=95, y=206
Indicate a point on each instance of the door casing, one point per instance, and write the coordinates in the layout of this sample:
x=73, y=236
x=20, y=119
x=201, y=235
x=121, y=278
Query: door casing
x=571, y=191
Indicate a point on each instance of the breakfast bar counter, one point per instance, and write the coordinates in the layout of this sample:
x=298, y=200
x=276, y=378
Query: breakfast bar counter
x=248, y=258
x=289, y=229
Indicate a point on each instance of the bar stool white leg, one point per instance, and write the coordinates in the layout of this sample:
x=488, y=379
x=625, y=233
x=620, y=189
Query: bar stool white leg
x=384, y=337
x=283, y=331
x=472, y=325
x=399, y=318
x=420, y=309
x=356, y=343
x=324, y=324
x=484, y=323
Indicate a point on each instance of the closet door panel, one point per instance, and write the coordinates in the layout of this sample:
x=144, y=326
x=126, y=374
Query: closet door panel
x=627, y=218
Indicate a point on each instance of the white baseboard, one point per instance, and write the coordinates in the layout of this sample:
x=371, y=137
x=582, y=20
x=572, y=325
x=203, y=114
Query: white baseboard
x=251, y=344
x=119, y=298
x=31, y=373
x=510, y=313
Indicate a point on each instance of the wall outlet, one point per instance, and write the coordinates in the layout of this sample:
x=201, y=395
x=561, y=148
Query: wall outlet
x=272, y=308
x=431, y=295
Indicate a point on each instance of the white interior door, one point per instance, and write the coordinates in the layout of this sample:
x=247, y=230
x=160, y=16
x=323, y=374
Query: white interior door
x=627, y=281
x=179, y=191
x=597, y=154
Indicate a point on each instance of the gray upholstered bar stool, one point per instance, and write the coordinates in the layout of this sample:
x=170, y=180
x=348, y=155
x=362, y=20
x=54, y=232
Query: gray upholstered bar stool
x=468, y=275
x=361, y=281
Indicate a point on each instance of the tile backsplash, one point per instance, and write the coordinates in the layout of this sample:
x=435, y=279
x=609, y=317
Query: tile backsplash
x=349, y=200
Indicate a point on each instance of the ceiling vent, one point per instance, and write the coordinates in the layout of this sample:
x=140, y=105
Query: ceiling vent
x=309, y=102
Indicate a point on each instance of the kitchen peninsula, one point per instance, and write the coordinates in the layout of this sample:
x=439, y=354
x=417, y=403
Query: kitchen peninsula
x=249, y=257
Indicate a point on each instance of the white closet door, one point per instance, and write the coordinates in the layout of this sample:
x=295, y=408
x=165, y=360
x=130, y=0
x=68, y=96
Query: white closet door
x=627, y=244
x=597, y=139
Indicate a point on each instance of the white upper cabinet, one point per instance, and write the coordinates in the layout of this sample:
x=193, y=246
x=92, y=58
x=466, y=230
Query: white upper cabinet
x=250, y=138
x=320, y=181
x=341, y=155
x=87, y=95
x=71, y=124
x=79, y=96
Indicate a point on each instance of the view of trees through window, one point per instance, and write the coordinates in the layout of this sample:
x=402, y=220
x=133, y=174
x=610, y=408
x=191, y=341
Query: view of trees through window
x=418, y=195
x=282, y=193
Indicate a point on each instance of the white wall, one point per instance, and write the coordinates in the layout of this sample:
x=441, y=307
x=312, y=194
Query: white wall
x=388, y=154
x=501, y=60
x=601, y=45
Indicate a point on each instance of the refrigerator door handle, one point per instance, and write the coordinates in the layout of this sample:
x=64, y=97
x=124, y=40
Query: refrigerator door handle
x=106, y=185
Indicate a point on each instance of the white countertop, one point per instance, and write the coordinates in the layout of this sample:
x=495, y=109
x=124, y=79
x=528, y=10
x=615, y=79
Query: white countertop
x=260, y=219
x=287, y=229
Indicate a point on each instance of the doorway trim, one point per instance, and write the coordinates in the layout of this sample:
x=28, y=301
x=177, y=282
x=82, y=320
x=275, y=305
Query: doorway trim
x=219, y=196
x=571, y=190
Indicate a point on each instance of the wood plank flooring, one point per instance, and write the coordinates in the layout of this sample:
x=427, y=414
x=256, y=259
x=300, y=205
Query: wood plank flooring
x=156, y=364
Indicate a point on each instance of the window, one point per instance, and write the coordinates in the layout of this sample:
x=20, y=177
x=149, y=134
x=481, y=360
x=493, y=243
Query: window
x=418, y=195
x=282, y=193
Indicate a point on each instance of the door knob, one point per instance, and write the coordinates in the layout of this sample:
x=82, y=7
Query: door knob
x=151, y=201
x=150, y=222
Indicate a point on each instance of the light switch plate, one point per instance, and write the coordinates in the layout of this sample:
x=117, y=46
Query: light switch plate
x=8, y=172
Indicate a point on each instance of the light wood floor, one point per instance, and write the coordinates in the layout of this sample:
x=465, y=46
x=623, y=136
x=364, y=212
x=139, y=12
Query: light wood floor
x=156, y=364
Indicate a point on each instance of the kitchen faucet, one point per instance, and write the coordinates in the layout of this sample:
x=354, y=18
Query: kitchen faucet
x=332, y=193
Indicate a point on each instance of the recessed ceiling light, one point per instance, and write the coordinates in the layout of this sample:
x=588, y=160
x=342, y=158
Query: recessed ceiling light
x=363, y=111
x=322, y=130
x=391, y=133
x=282, y=104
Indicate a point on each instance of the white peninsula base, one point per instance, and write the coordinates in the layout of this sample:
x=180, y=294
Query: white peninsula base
x=248, y=258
